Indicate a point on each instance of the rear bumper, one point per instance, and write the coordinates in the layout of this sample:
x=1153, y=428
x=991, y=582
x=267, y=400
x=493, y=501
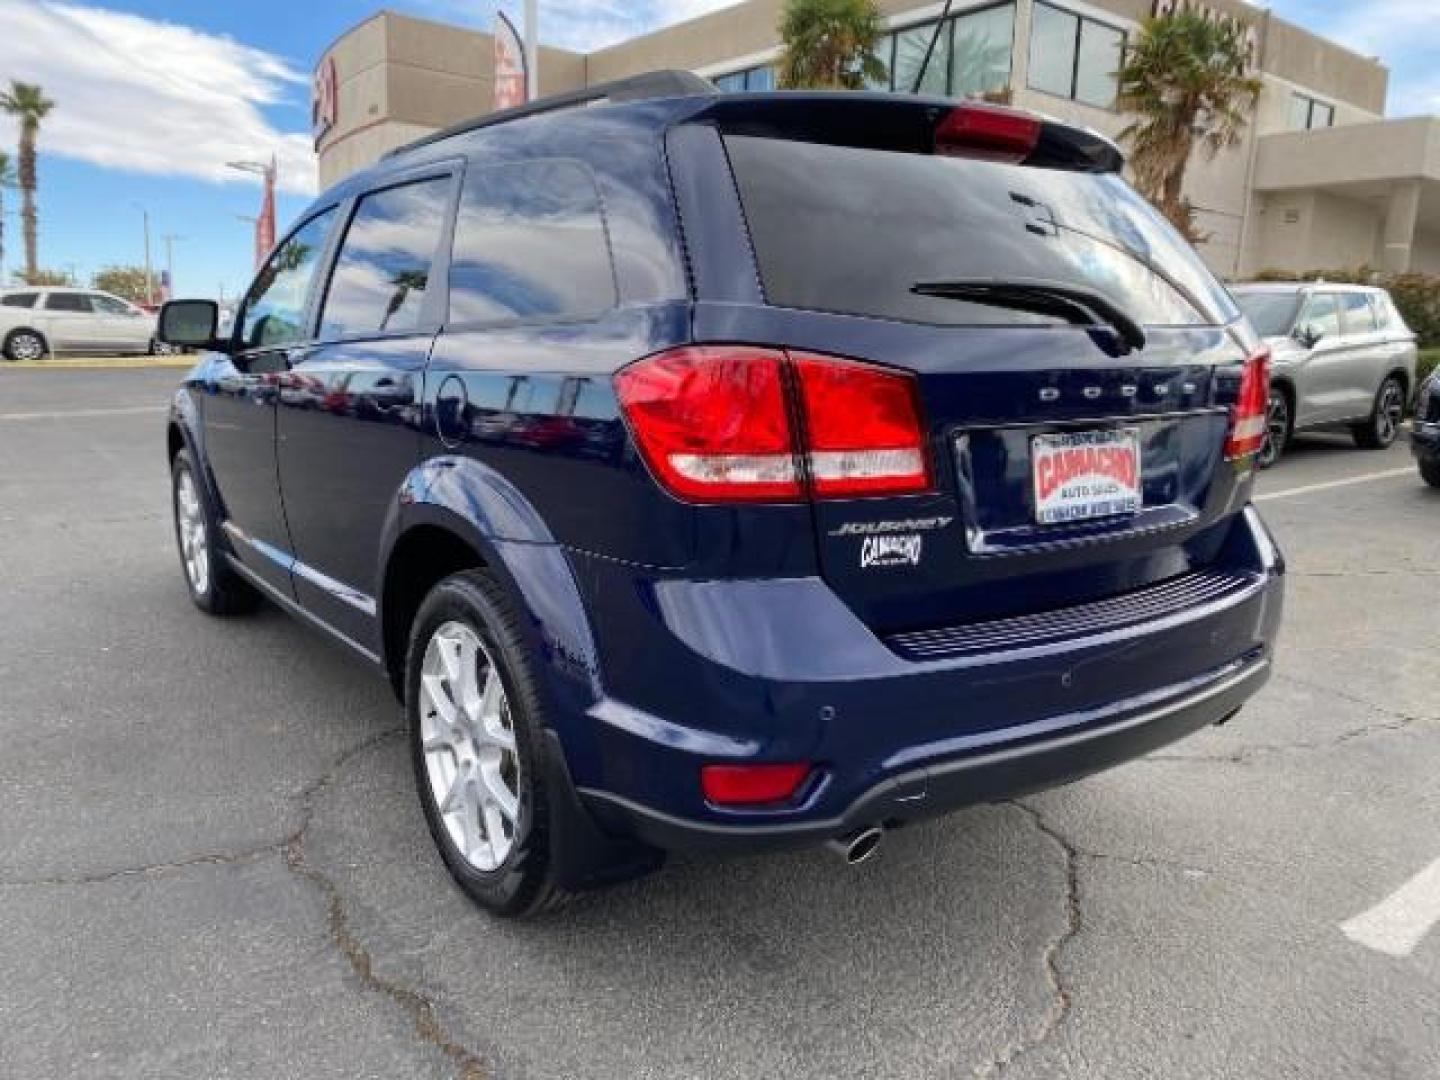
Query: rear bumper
x=1005, y=772
x=734, y=672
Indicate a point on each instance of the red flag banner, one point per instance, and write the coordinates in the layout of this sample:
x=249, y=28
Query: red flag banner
x=265, y=223
x=509, y=64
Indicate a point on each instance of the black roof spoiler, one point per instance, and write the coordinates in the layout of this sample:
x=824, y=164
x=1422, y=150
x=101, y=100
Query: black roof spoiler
x=652, y=84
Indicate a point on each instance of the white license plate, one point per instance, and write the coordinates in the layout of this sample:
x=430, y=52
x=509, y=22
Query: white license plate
x=1080, y=475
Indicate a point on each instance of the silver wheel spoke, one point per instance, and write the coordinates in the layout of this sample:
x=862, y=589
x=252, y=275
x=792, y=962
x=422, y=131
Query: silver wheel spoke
x=468, y=742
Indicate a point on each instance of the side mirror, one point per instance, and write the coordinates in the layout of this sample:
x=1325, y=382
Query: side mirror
x=1308, y=336
x=191, y=324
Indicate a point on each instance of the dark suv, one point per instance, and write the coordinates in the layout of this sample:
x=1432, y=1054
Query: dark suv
x=731, y=471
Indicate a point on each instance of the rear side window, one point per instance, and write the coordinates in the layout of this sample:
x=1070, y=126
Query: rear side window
x=19, y=299
x=62, y=301
x=530, y=245
x=382, y=274
x=275, y=305
x=883, y=221
x=1359, y=315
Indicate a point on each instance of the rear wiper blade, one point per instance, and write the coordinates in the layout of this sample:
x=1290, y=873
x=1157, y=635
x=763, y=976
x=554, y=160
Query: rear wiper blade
x=1073, y=303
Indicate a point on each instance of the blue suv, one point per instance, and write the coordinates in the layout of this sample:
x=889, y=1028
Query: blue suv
x=729, y=471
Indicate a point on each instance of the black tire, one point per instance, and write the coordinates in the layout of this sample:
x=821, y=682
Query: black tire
x=523, y=882
x=23, y=345
x=1382, y=428
x=218, y=590
x=1430, y=471
x=1277, y=428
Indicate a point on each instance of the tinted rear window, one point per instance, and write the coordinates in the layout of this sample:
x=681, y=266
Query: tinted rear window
x=21, y=299
x=845, y=229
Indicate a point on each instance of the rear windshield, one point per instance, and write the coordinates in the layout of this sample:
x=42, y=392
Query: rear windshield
x=846, y=229
x=1271, y=313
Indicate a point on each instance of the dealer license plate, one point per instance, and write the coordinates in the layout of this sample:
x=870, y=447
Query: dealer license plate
x=1080, y=475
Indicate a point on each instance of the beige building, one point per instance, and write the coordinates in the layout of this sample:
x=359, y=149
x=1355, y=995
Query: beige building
x=1322, y=179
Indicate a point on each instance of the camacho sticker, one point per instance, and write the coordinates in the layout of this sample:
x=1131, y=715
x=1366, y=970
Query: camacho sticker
x=890, y=551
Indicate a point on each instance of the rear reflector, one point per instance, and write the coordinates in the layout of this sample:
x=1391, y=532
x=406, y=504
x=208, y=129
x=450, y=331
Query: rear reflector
x=718, y=423
x=988, y=132
x=862, y=428
x=1247, y=419
x=751, y=785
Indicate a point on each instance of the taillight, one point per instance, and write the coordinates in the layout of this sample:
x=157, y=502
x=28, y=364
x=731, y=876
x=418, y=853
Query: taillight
x=1248, y=417
x=989, y=132
x=718, y=423
x=862, y=429
x=751, y=785
x=713, y=423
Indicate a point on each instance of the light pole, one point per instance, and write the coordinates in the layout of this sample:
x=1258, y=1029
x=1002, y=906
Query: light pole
x=265, y=223
x=149, y=275
x=532, y=49
x=170, y=239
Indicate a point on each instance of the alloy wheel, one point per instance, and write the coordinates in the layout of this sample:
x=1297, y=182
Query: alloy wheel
x=1277, y=430
x=1390, y=414
x=194, y=543
x=26, y=346
x=468, y=740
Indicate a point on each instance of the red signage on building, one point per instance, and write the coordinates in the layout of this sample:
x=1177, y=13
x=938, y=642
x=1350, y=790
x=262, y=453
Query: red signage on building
x=510, y=80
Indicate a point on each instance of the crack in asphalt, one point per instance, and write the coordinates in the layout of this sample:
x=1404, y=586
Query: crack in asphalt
x=1061, y=1000
x=228, y=858
x=420, y=1008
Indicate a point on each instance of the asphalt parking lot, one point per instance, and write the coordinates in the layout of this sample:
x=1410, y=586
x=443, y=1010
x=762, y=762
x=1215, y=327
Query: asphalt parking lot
x=212, y=863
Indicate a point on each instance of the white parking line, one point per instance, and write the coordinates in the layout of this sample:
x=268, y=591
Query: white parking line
x=1329, y=484
x=1398, y=923
x=135, y=410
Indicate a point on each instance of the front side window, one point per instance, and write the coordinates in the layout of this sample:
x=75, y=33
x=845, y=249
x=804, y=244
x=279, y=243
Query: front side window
x=67, y=301
x=530, y=245
x=1359, y=316
x=275, y=306
x=1322, y=316
x=19, y=299
x=382, y=273
x=1074, y=57
x=1271, y=313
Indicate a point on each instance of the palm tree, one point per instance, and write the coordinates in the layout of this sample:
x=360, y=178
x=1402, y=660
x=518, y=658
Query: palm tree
x=830, y=45
x=7, y=181
x=1187, y=77
x=28, y=104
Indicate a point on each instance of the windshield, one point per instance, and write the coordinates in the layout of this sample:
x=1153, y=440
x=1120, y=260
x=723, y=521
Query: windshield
x=884, y=221
x=1271, y=313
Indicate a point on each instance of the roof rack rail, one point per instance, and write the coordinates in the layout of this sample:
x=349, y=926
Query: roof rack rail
x=651, y=84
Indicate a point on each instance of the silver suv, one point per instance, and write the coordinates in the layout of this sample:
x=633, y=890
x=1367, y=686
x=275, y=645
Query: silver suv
x=39, y=321
x=1341, y=356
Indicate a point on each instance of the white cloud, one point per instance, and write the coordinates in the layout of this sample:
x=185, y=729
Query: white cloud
x=583, y=25
x=147, y=96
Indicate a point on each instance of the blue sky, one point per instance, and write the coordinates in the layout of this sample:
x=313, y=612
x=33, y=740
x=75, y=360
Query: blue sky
x=154, y=96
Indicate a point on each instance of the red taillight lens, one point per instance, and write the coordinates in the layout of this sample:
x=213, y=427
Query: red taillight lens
x=989, y=132
x=715, y=424
x=862, y=429
x=1247, y=419
x=751, y=785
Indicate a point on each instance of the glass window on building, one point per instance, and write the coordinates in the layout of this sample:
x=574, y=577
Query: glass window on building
x=1307, y=113
x=971, y=55
x=752, y=80
x=1074, y=56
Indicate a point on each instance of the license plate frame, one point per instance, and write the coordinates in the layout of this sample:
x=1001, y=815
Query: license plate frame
x=1081, y=476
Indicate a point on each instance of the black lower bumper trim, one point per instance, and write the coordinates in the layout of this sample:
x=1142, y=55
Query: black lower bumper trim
x=937, y=789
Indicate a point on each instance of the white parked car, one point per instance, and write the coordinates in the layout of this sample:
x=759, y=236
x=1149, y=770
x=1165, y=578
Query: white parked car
x=1341, y=357
x=35, y=322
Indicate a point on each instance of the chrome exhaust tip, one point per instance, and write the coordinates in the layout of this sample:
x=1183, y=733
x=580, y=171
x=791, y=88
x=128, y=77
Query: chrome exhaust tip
x=858, y=846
